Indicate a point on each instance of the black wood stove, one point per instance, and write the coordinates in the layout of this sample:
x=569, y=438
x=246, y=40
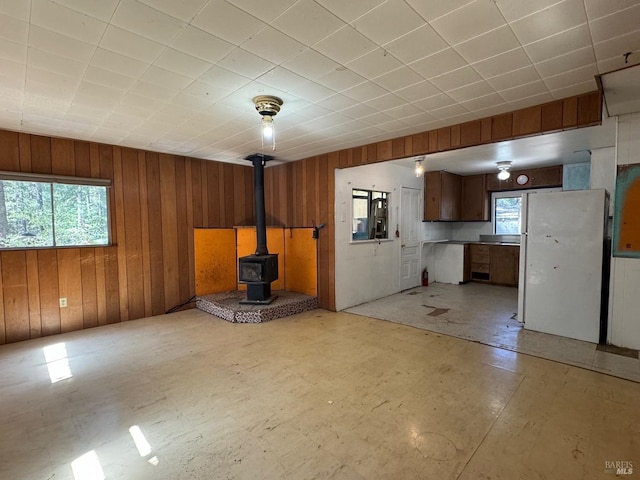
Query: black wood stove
x=260, y=269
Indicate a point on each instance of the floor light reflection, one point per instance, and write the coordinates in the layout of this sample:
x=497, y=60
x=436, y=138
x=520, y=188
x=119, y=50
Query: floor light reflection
x=143, y=446
x=87, y=467
x=57, y=362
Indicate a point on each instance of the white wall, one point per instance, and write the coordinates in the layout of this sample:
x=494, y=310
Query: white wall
x=624, y=324
x=470, y=230
x=368, y=270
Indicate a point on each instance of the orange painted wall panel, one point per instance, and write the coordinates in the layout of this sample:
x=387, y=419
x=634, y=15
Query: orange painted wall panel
x=301, y=261
x=215, y=260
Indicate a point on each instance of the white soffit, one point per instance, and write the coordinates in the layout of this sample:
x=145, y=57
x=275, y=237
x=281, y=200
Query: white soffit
x=622, y=91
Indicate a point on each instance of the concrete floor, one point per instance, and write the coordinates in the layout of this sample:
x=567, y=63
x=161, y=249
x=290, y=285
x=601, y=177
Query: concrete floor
x=487, y=314
x=317, y=395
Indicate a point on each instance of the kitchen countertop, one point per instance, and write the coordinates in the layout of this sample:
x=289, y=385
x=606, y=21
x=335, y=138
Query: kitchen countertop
x=468, y=242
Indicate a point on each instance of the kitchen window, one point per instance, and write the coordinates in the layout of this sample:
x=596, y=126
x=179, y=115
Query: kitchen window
x=506, y=210
x=40, y=211
x=370, y=215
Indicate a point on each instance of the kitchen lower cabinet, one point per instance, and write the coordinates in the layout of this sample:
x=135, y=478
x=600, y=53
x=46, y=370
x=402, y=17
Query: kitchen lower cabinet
x=497, y=264
x=505, y=261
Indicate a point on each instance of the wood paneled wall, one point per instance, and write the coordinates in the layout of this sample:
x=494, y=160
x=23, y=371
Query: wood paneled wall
x=155, y=201
x=302, y=192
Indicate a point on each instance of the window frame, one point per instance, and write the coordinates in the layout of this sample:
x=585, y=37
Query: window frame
x=52, y=180
x=369, y=198
x=514, y=194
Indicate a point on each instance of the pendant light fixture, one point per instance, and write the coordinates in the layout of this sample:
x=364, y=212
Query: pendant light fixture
x=419, y=169
x=268, y=106
x=503, y=167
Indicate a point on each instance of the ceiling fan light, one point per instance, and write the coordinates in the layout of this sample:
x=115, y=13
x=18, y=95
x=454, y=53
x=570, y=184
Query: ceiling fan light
x=503, y=168
x=504, y=174
x=267, y=127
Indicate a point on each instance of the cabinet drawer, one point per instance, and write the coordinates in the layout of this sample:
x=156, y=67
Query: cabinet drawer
x=480, y=267
x=480, y=258
x=479, y=249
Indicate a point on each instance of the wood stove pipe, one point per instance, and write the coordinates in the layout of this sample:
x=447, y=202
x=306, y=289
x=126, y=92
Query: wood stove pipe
x=259, y=160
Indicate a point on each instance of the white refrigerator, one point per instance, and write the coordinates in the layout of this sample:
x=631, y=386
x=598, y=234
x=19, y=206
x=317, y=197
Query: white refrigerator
x=561, y=262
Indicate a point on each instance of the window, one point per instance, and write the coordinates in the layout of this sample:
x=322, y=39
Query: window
x=48, y=211
x=507, y=209
x=369, y=215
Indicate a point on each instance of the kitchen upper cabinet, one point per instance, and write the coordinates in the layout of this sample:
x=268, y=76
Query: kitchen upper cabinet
x=475, y=198
x=536, y=178
x=443, y=196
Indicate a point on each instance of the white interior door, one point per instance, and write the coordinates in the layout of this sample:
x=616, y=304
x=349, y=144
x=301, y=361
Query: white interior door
x=410, y=238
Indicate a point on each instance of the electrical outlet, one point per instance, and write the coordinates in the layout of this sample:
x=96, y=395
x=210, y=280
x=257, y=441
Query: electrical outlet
x=63, y=302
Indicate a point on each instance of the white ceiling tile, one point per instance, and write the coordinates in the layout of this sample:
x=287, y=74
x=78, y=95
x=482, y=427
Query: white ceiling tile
x=14, y=30
x=37, y=80
x=206, y=92
x=345, y=45
x=515, y=10
x=100, y=9
x=147, y=22
x=523, y=91
x=365, y=91
x=514, y=78
x=375, y=63
x=598, y=8
x=499, y=108
x=246, y=64
x=386, y=102
x=550, y=21
x=487, y=101
x=312, y=92
x=615, y=63
x=307, y=22
x=282, y=79
x=65, y=21
x=99, y=91
x=184, y=10
x=471, y=91
x=339, y=102
x=398, y=79
x=228, y=22
x=432, y=9
x=54, y=63
x=569, y=61
x=418, y=91
x=493, y=43
x=434, y=102
x=402, y=111
x=182, y=63
x=617, y=47
x=265, y=11
x=456, y=79
x=223, y=78
x=273, y=45
x=416, y=44
x=310, y=64
x=448, y=111
x=559, y=44
x=62, y=45
x=575, y=89
x=12, y=74
x=201, y=44
x=108, y=78
x=15, y=52
x=359, y=110
x=340, y=79
x=502, y=63
x=153, y=91
x=19, y=10
x=375, y=119
x=619, y=23
x=165, y=78
x=572, y=77
x=438, y=63
x=349, y=11
x=469, y=21
x=130, y=45
x=117, y=63
x=396, y=16
x=536, y=99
